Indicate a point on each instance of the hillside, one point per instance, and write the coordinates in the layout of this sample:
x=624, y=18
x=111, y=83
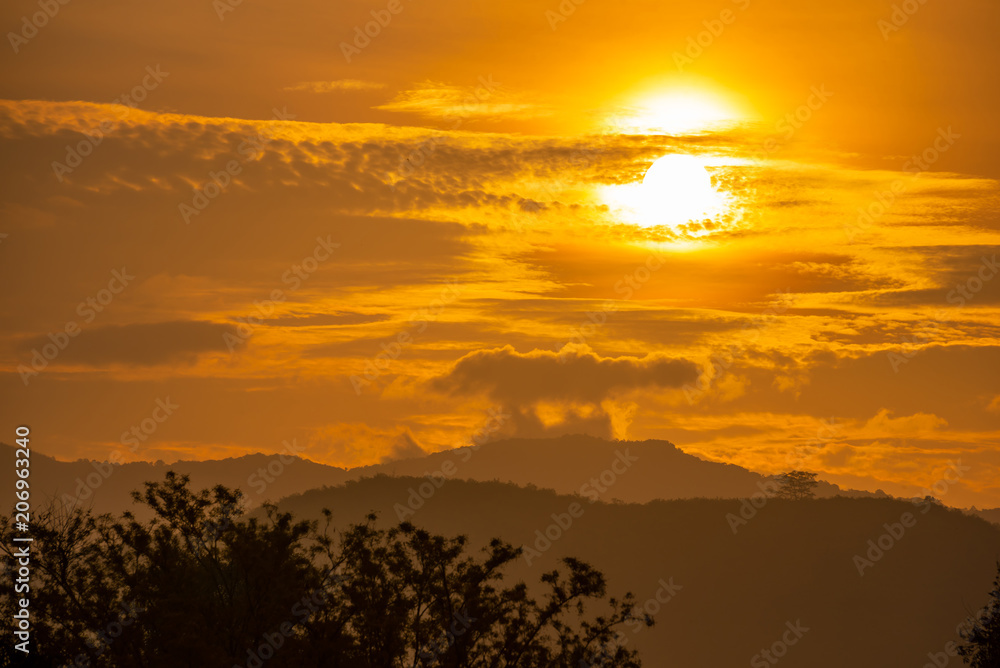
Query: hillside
x=643, y=470
x=106, y=488
x=791, y=562
x=988, y=514
x=633, y=471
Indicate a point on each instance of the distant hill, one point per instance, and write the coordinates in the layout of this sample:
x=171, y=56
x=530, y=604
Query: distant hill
x=791, y=562
x=106, y=487
x=988, y=514
x=651, y=469
x=786, y=562
x=654, y=469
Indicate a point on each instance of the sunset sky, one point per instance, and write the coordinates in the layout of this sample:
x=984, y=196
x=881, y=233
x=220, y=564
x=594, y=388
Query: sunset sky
x=366, y=243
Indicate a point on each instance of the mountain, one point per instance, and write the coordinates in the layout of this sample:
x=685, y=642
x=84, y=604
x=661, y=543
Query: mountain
x=633, y=471
x=106, y=487
x=812, y=572
x=728, y=578
x=988, y=514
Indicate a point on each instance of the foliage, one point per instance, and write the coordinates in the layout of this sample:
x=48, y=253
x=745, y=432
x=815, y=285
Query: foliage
x=203, y=584
x=982, y=640
x=796, y=485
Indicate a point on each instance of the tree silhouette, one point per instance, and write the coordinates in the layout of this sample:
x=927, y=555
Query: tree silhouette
x=202, y=584
x=796, y=485
x=982, y=641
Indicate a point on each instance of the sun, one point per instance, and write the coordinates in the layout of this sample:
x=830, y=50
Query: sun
x=676, y=189
x=688, y=108
x=680, y=113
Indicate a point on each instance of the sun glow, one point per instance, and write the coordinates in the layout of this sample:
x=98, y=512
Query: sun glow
x=676, y=189
x=682, y=110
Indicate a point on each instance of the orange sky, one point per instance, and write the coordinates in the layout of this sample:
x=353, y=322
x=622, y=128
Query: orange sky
x=452, y=216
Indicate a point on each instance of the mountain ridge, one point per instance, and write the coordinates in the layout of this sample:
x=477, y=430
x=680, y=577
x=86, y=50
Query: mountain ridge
x=632, y=471
x=829, y=563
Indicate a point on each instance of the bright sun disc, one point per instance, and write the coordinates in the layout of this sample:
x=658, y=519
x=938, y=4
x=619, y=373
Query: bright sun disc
x=676, y=189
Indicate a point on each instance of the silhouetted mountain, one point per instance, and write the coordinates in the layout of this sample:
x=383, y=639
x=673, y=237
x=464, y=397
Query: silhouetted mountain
x=571, y=465
x=106, y=487
x=879, y=578
x=653, y=469
x=793, y=564
x=988, y=514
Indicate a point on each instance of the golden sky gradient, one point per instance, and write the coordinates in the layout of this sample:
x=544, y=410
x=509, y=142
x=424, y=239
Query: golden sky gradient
x=367, y=242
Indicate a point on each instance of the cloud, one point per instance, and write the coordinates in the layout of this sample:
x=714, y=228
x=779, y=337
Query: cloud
x=571, y=391
x=344, y=318
x=346, y=166
x=936, y=383
x=916, y=425
x=404, y=446
x=332, y=86
x=147, y=344
x=440, y=100
x=574, y=374
x=963, y=277
x=352, y=444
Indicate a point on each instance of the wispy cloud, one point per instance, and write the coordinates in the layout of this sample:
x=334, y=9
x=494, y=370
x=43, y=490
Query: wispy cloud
x=334, y=86
x=486, y=99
